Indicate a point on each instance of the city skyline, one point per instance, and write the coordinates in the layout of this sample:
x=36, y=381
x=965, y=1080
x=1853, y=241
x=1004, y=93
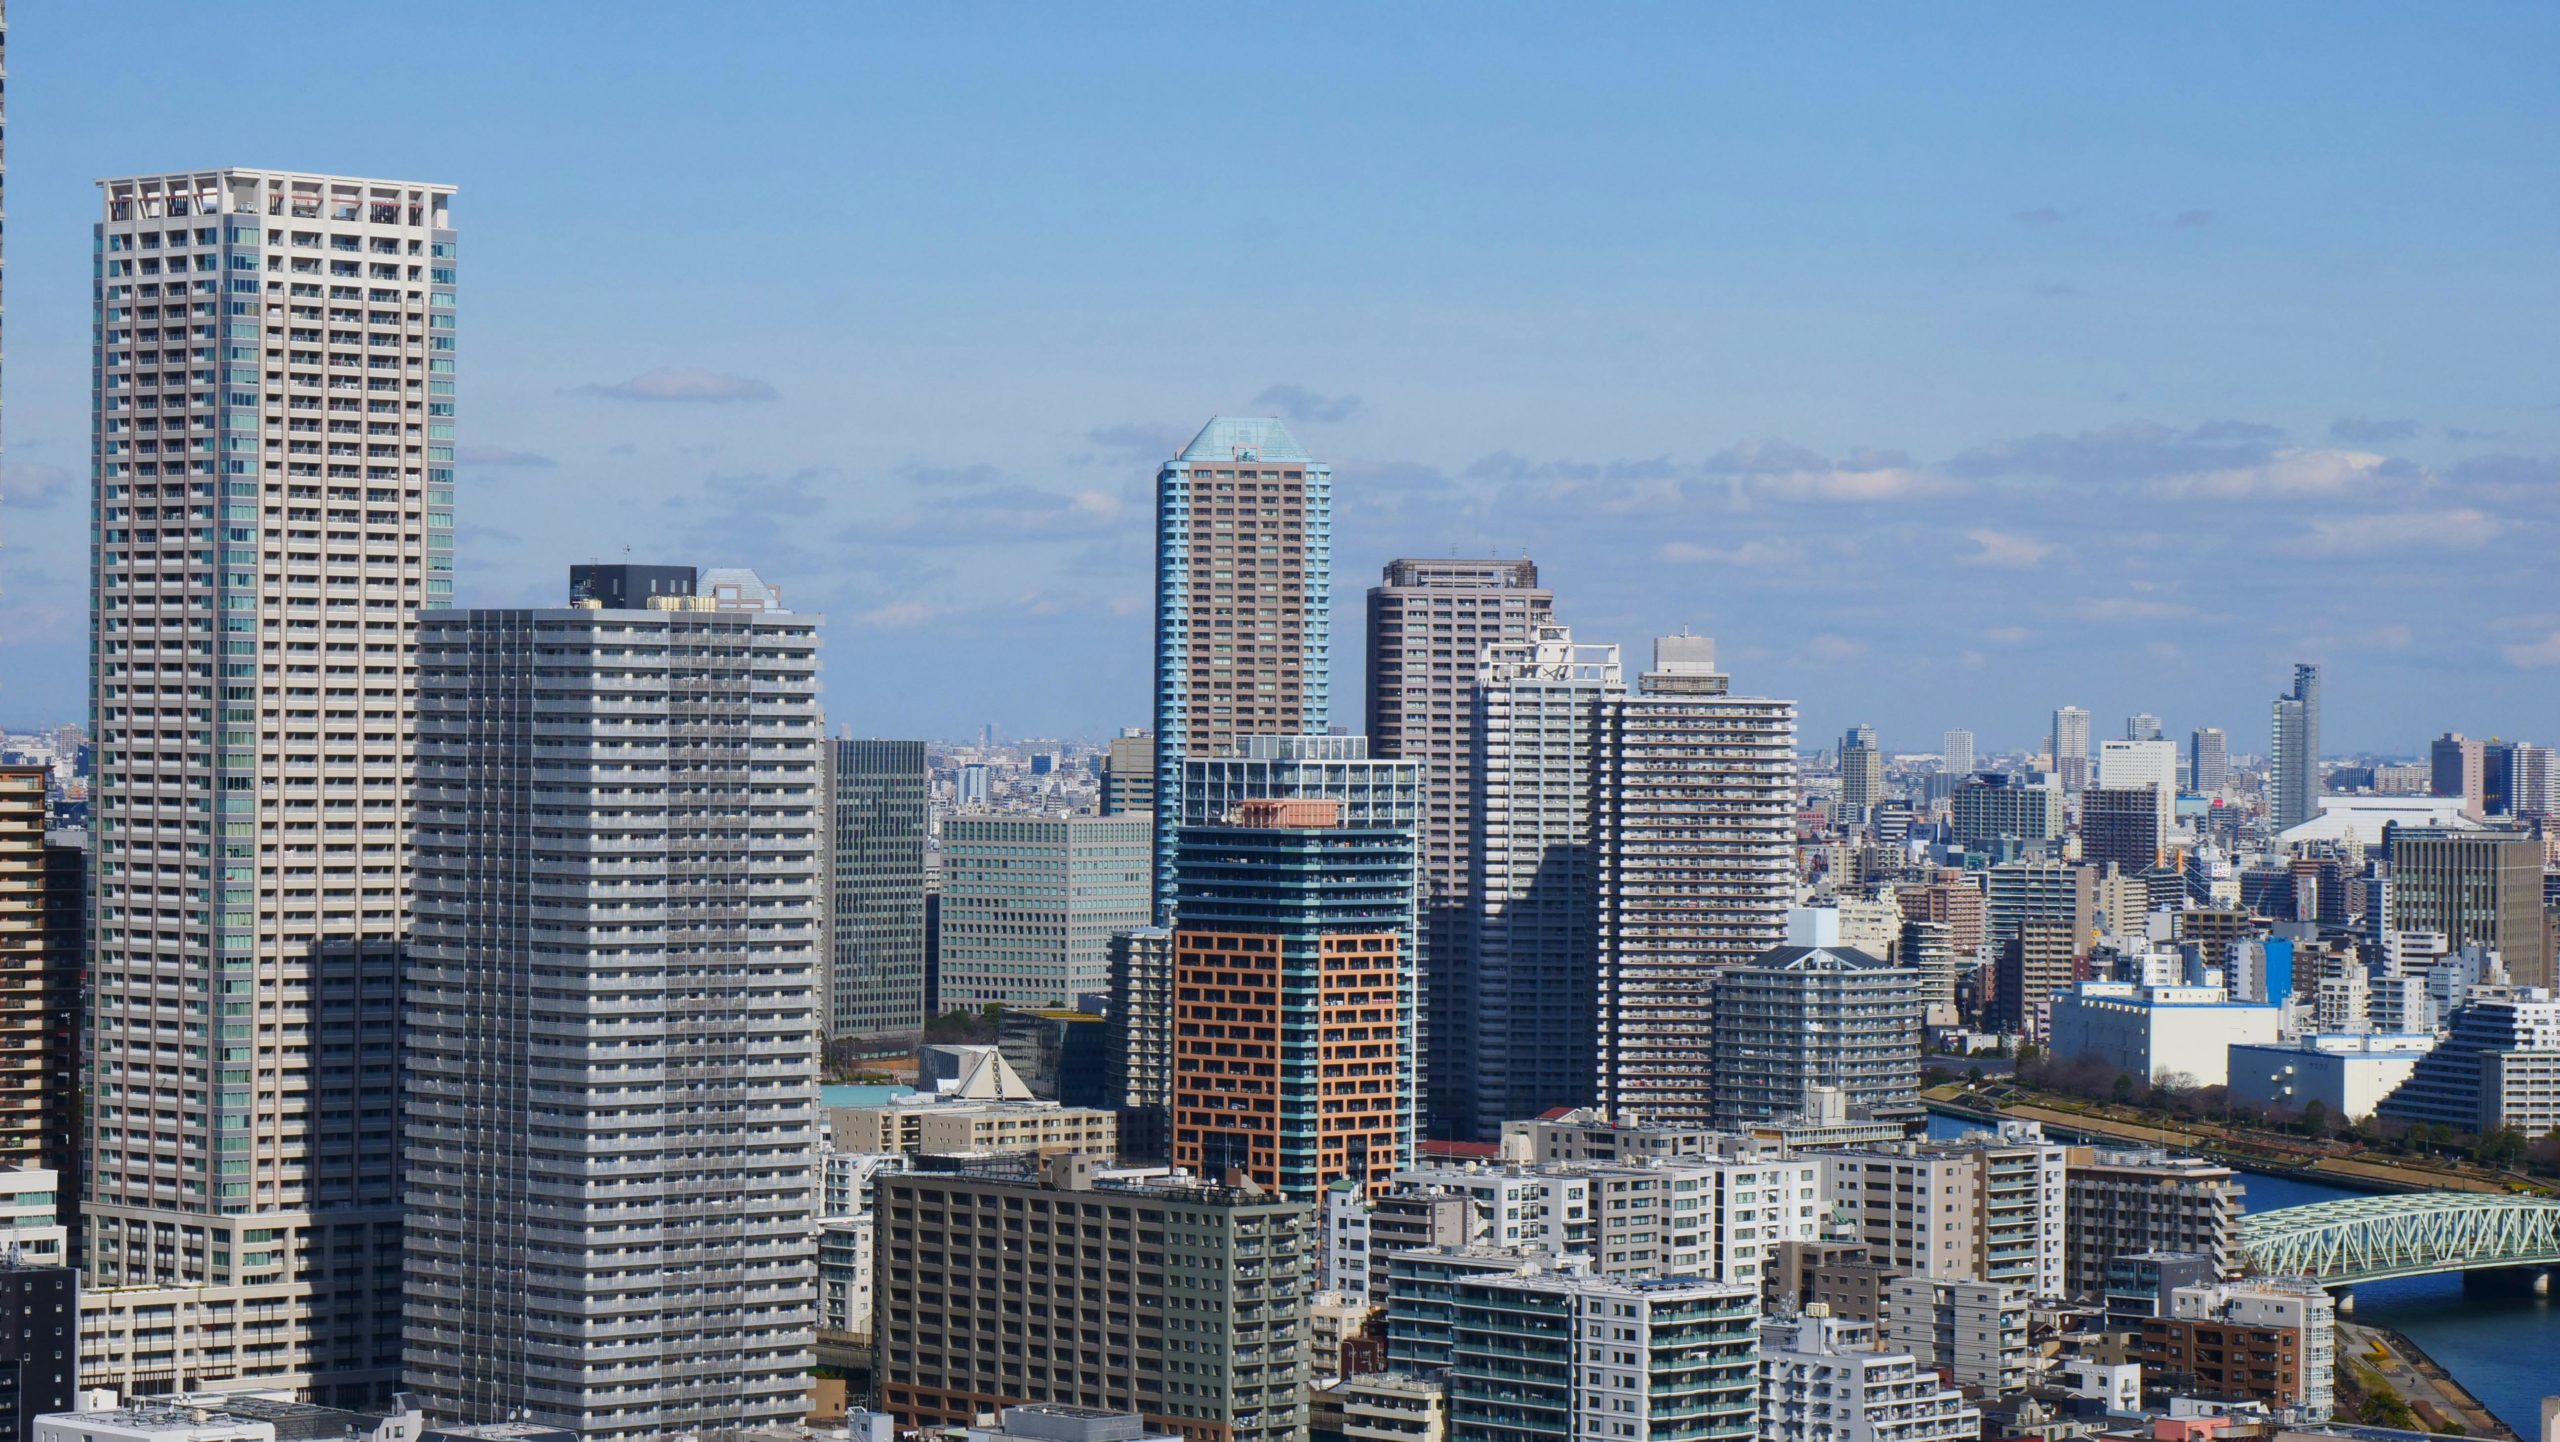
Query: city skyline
x=2131, y=450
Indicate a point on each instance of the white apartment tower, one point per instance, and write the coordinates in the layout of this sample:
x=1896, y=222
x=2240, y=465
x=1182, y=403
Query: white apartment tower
x=611, y=1081
x=273, y=461
x=1827, y=1379
x=1694, y=819
x=1957, y=748
x=1527, y=969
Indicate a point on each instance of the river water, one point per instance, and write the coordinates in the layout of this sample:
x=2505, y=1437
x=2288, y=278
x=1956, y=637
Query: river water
x=2501, y=1342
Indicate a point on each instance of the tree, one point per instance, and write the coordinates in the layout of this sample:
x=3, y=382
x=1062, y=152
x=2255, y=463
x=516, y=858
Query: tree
x=2122, y=1091
x=2315, y=1119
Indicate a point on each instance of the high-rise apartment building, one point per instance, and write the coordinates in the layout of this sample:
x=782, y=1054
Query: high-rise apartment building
x=2293, y=764
x=611, y=1085
x=1956, y=749
x=1694, y=818
x=1189, y=1306
x=251, y=701
x=1430, y=625
x=40, y=979
x=1529, y=963
x=1991, y=809
x=2120, y=824
x=2267, y=1340
x=1806, y=1017
x=1129, y=773
x=2208, y=760
x=879, y=797
x=2069, y=745
x=1138, y=1051
x=1288, y=989
x=1030, y=904
x=1373, y=791
x=2474, y=888
x=1861, y=773
x=1244, y=601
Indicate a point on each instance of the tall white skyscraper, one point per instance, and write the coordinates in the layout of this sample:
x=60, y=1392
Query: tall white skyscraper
x=1527, y=970
x=2070, y=746
x=1957, y=748
x=274, y=400
x=611, y=1083
x=1694, y=815
x=2293, y=772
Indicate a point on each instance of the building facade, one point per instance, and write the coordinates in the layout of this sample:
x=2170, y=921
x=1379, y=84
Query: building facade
x=1824, y=1379
x=2293, y=755
x=1528, y=963
x=2208, y=760
x=1200, y=1326
x=1430, y=626
x=42, y=965
x=232, y=687
x=611, y=1081
x=2127, y=1202
x=1806, y=1017
x=1244, y=601
x=2474, y=888
x=1288, y=993
x=1694, y=820
x=1984, y=1207
x=879, y=801
x=1139, y=1047
x=1129, y=773
x=1552, y=1355
x=1861, y=774
x=2069, y=746
x=1030, y=904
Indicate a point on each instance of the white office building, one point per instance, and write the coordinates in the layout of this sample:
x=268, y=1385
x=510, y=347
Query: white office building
x=2158, y=1032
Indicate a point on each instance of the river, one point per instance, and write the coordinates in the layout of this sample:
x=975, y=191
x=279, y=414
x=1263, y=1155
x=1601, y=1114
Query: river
x=2502, y=1343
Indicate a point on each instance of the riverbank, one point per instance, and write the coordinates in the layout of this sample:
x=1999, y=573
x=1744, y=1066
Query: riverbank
x=2229, y=1147
x=2376, y=1361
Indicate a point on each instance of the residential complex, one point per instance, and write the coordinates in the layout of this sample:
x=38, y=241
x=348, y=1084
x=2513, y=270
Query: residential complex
x=1289, y=994
x=42, y=961
x=610, y=1092
x=1243, y=603
x=1694, y=823
x=251, y=805
x=1182, y=1301
x=1803, y=1018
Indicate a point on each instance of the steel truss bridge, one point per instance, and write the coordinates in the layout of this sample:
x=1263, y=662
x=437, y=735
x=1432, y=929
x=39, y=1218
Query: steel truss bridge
x=2368, y=1239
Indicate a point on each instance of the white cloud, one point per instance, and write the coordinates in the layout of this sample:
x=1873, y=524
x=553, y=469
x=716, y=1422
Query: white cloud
x=689, y=385
x=897, y=616
x=2533, y=655
x=2292, y=472
x=2456, y=530
x=2007, y=549
x=1749, y=553
x=2007, y=635
x=1830, y=647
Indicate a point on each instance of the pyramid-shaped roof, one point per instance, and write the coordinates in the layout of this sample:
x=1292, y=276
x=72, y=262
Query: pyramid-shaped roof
x=1227, y=438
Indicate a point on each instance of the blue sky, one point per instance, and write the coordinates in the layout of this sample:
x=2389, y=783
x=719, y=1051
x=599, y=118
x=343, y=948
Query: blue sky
x=1945, y=363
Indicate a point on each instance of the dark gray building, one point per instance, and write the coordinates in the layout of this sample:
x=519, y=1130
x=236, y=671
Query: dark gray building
x=39, y=1345
x=879, y=796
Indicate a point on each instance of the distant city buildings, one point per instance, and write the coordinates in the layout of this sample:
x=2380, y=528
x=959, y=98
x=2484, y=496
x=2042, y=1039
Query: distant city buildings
x=2069, y=747
x=2293, y=767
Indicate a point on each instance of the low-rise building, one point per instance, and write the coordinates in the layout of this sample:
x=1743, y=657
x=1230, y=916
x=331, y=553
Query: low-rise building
x=924, y=1125
x=2159, y=1032
x=248, y=1416
x=2119, y=1202
x=1059, y=1422
x=1393, y=1407
x=1824, y=1379
x=1578, y=1358
x=2347, y=1074
x=2499, y=1066
x=2269, y=1340
x=1974, y=1331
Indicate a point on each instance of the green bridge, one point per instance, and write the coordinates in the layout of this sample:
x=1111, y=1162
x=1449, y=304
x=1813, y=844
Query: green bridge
x=2369, y=1239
